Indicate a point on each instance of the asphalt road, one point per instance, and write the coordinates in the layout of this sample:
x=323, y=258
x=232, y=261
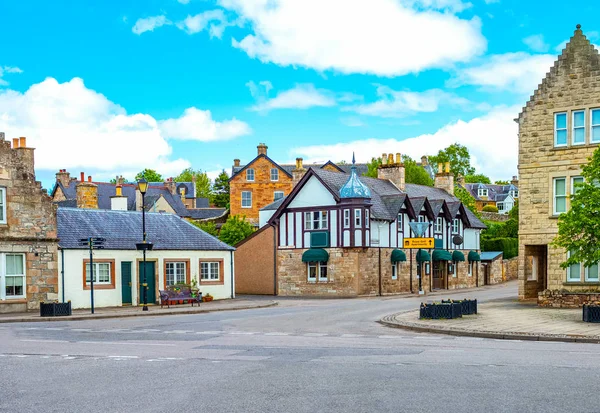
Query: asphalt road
x=302, y=356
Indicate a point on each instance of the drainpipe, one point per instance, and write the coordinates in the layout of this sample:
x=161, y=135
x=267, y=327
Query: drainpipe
x=232, y=279
x=62, y=272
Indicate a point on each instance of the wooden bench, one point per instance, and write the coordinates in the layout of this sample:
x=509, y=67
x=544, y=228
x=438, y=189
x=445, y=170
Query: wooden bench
x=173, y=295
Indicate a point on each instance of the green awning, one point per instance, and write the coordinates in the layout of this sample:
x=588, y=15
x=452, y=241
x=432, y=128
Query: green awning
x=458, y=256
x=473, y=256
x=441, y=255
x=423, y=256
x=315, y=255
x=398, y=256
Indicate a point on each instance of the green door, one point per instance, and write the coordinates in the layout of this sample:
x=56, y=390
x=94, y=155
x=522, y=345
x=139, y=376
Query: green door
x=126, y=283
x=150, y=282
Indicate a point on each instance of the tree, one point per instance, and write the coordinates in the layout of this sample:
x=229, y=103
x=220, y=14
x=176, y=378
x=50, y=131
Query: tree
x=203, y=184
x=209, y=227
x=149, y=175
x=501, y=182
x=235, y=230
x=459, y=158
x=579, y=228
x=467, y=199
x=114, y=181
x=413, y=172
x=477, y=179
x=221, y=190
x=373, y=166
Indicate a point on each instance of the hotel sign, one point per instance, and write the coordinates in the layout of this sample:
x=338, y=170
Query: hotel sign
x=416, y=243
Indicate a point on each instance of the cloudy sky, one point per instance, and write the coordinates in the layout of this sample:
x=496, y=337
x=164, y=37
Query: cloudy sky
x=112, y=87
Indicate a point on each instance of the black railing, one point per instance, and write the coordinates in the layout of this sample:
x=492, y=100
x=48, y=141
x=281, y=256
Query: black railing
x=438, y=311
x=468, y=307
x=55, y=309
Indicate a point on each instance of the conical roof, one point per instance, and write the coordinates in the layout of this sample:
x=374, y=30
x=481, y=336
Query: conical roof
x=354, y=188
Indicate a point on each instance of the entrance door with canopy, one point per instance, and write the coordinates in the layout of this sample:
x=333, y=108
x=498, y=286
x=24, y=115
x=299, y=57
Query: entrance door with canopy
x=440, y=269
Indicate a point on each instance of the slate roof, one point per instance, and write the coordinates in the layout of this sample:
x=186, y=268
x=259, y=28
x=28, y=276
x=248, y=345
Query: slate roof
x=206, y=213
x=496, y=193
x=274, y=206
x=490, y=255
x=361, y=168
x=188, y=186
x=123, y=229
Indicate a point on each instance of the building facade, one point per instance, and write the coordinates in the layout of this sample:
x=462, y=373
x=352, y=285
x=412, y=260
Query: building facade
x=559, y=128
x=28, y=234
x=503, y=197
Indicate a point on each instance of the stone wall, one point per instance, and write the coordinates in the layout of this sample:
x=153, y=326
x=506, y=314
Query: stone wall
x=254, y=263
x=566, y=299
x=493, y=216
x=510, y=269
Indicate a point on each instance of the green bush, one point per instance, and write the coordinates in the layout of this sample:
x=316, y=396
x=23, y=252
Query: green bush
x=509, y=246
x=490, y=208
x=208, y=227
x=235, y=230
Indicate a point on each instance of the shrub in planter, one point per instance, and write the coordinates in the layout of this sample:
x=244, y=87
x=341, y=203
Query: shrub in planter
x=437, y=311
x=207, y=297
x=55, y=309
x=468, y=307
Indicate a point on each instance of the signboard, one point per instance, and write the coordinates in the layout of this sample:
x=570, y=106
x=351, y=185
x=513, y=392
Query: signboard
x=416, y=243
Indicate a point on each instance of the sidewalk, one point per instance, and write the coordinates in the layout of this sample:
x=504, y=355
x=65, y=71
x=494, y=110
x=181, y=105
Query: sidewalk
x=507, y=319
x=153, y=311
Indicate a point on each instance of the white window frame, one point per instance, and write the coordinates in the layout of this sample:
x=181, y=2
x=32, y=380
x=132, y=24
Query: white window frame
x=573, y=128
x=470, y=273
x=247, y=205
x=207, y=271
x=316, y=220
x=593, y=280
x=482, y=192
x=3, y=205
x=347, y=221
x=275, y=195
x=500, y=206
x=454, y=272
x=178, y=271
x=556, y=129
x=555, y=196
x=570, y=278
x=514, y=194
x=97, y=272
x=573, y=178
x=367, y=218
x=249, y=172
x=533, y=275
x=320, y=269
x=455, y=226
x=357, y=218
x=395, y=271
x=3, y=276
x=439, y=225
x=274, y=174
x=593, y=125
x=400, y=222
x=421, y=218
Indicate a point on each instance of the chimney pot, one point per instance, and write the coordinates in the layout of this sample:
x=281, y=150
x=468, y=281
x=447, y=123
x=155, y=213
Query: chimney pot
x=82, y=175
x=439, y=168
x=15, y=143
x=398, y=158
x=89, y=178
x=22, y=142
x=236, y=162
x=447, y=167
x=384, y=158
x=118, y=190
x=390, y=159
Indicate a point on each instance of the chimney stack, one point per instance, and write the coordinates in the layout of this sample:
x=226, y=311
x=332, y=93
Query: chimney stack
x=15, y=143
x=515, y=181
x=118, y=202
x=236, y=162
x=298, y=172
x=444, y=179
x=63, y=177
x=262, y=149
x=424, y=161
x=392, y=170
x=171, y=186
x=87, y=194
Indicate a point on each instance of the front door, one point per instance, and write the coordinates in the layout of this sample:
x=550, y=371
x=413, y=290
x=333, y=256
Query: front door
x=150, y=282
x=126, y=283
x=439, y=275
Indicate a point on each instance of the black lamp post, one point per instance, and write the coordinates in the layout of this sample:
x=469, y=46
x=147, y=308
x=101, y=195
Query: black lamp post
x=144, y=246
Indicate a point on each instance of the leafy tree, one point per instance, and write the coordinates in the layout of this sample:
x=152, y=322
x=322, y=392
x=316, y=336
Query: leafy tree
x=514, y=212
x=477, y=179
x=413, y=173
x=149, y=175
x=579, y=228
x=467, y=199
x=221, y=190
x=501, y=182
x=373, y=166
x=203, y=184
x=208, y=227
x=114, y=181
x=235, y=230
x=490, y=208
x=459, y=158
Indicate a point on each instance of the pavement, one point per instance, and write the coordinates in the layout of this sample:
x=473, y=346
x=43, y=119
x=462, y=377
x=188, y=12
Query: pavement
x=153, y=311
x=507, y=319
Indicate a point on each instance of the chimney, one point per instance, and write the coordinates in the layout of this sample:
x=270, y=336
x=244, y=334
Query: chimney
x=82, y=176
x=424, y=161
x=444, y=179
x=171, y=186
x=25, y=156
x=236, y=162
x=515, y=181
x=118, y=202
x=298, y=172
x=182, y=194
x=63, y=177
x=262, y=149
x=392, y=171
x=22, y=142
x=15, y=143
x=89, y=178
x=87, y=194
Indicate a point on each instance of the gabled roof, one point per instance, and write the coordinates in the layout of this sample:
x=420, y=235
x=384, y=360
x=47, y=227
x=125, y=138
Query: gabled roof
x=495, y=192
x=123, y=229
x=436, y=206
x=361, y=168
x=239, y=169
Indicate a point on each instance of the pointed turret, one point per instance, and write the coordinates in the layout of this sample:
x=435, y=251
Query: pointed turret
x=354, y=188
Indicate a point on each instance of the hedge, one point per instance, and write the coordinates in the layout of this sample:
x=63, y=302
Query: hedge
x=509, y=246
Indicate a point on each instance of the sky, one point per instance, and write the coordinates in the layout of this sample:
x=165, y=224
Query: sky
x=112, y=87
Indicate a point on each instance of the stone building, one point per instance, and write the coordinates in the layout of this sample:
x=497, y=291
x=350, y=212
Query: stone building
x=559, y=128
x=28, y=233
x=503, y=197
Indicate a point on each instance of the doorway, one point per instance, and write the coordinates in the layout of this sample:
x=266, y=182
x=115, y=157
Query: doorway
x=150, y=273
x=439, y=275
x=126, y=283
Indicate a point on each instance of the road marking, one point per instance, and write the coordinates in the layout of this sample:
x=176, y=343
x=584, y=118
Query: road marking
x=45, y=341
x=210, y=332
x=241, y=333
x=125, y=343
x=178, y=332
x=81, y=329
x=54, y=329
x=123, y=357
x=277, y=334
x=352, y=335
x=315, y=334
x=389, y=337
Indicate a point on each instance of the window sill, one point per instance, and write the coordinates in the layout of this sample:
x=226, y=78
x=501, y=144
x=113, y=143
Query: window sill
x=581, y=283
x=100, y=287
x=208, y=283
x=553, y=216
x=18, y=300
x=582, y=145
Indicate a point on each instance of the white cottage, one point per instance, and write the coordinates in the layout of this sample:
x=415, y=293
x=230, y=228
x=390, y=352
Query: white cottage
x=181, y=253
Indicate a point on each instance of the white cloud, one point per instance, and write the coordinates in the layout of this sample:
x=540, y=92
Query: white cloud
x=8, y=69
x=491, y=139
x=387, y=38
x=198, y=125
x=536, y=43
x=149, y=24
x=214, y=20
x=516, y=72
x=352, y=121
x=394, y=103
x=302, y=96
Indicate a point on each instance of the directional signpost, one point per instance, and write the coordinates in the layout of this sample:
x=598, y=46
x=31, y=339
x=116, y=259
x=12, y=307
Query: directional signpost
x=93, y=243
x=417, y=243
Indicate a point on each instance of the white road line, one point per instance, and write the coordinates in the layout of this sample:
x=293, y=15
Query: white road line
x=393, y=337
x=45, y=341
x=277, y=334
x=178, y=332
x=352, y=335
x=123, y=357
x=124, y=343
x=241, y=333
x=210, y=332
x=54, y=329
x=315, y=334
x=81, y=329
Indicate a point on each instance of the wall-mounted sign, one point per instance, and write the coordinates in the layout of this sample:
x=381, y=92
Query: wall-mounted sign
x=416, y=243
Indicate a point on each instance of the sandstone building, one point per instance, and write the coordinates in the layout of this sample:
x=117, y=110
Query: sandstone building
x=559, y=128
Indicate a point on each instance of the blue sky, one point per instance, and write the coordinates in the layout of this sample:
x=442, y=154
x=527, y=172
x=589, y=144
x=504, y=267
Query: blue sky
x=112, y=87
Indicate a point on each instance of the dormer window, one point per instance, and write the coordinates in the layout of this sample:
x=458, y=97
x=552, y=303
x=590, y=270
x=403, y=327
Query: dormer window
x=274, y=174
x=514, y=194
x=438, y=225
x=482, y=192
x=250, y=175
x=455, y=226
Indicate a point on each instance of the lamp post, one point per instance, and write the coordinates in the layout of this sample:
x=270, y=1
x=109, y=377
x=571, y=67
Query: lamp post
x=144, y=246
x=418, y=228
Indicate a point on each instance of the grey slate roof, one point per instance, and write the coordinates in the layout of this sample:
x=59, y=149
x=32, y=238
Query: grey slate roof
x=206, y=213
x=490, y=255
x=495, y=192
x=273, y=206
x=361, y=168
x=123, y=229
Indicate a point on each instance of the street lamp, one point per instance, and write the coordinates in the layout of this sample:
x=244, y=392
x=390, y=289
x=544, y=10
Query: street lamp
x=144, y=246
x=418, y=228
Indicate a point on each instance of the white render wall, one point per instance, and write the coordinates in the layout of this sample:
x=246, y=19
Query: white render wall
x=264, y=217
x=312, y=194
x=80, y=298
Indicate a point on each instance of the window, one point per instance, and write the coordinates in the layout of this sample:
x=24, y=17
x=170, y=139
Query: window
x=560, y=195
x=453, y=269
x=574, y=272
x=422, y=218
x=101, y=273
x=533, y=275
x=560, y=129
x=591, y=273
x=315, y=220
x=579, y=127
x=357, y=218
x=500, y=206
x=175, y=273
x=575, y=181
x=395, y=271
x=346, y=218
x=514, y=194
x=317, y=270
x=400, y=222
x=274, y=174
x=246, y=199
x=455, y=226
x=250, y=175
x=2, y=205
x=595, y=121
x=482, y=192
x=471, y=269
x=366, y=218
x=439, y=224
x=277, y=195
x=13, y=276
x=209, y=271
